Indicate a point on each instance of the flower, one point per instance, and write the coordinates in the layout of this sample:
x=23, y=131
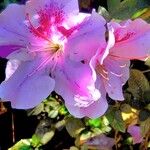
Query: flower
x=52, y=41
x=127, y=41
x=135, y=133
x=101, y=142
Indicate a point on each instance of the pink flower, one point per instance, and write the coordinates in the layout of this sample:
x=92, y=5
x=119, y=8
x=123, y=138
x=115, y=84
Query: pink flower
x=135, y=133
x=127, y=41
x=52, y=42
x=101, y=142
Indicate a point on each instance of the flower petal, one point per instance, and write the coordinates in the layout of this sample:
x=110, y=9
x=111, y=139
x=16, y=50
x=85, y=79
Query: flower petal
x=44, y=10
x=135, y=133
x=13, y=32
x=67, y=6
x=25, y=90
x=132, y=40
x=11, y=67
x=90, y=35
x=115, y=73
x=79, y=75
x=96, y=109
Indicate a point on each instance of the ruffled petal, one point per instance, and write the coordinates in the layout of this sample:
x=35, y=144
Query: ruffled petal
x=44, y=13
x=11, y=67
x=21, y=55
x=90, y=35
x=135, y=133
x=94, y=110
x=26, y=90
x=132, y=40
x=13, y=31
x=115, y=73
x=65, y=6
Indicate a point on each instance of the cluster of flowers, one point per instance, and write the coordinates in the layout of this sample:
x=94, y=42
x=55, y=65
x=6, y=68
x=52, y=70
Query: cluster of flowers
x=51, y=46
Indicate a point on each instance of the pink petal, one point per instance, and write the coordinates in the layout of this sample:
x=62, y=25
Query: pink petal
x=135, y=133
x=13, y=32
x=115, y=73
x=96, y=109
x=41, y=12
x=5, y=50
x=11, y=67
x=79, y=75
x=132, y=40
x=102, y=142
x=67, y=6
x=90, y=35
x=21, y=55
x=103, y=50
x=24, y=90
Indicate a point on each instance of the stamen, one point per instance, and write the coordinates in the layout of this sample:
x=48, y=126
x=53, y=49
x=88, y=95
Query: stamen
x=52, y=48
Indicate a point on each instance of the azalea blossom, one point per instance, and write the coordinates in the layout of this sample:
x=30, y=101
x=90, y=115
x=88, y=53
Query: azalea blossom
x=135, y=133
x=54, y=46
x=101, y=142
x=129, y=40
x=126, y=41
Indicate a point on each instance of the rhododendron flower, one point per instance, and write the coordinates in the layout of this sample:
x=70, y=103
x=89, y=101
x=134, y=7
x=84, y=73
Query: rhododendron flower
x=126, y=41
x=52, y=41
x=135, y=133
x=101, y=142
x=129, y=40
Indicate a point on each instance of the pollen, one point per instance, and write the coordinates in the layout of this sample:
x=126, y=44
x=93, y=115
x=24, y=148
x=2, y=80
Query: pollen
x=54, y=47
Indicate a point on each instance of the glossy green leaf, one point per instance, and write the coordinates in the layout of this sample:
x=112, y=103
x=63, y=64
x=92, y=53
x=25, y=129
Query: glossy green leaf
x=126, y=108
x=112, y=4
x=36, y=140
x=74, y=126
x=115, y=119
x=138, y=84
x=127, y=8
x=94, y=122
x=145, y=126
x=22, y=145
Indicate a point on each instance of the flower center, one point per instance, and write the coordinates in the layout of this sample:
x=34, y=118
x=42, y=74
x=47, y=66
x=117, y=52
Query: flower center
x=53, y=48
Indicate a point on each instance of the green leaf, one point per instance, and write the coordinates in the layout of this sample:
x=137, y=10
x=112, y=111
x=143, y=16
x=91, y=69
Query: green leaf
x=126, y=108
x=127, y=8
x=36, y=140
x=37, y=110
x=47, y=137
x=139, y=13
x=63, y=110
x=145, y=126
x=147, y=62
x=112, y=4
x=73, y=148
x=95, y=122
x=115, y=119
x=103, y=12
x=144, y=114
x=43, y=127
x=74, y=126
x=138, y=84
x=53, y=113
x=22, y=145
x=148, y=107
